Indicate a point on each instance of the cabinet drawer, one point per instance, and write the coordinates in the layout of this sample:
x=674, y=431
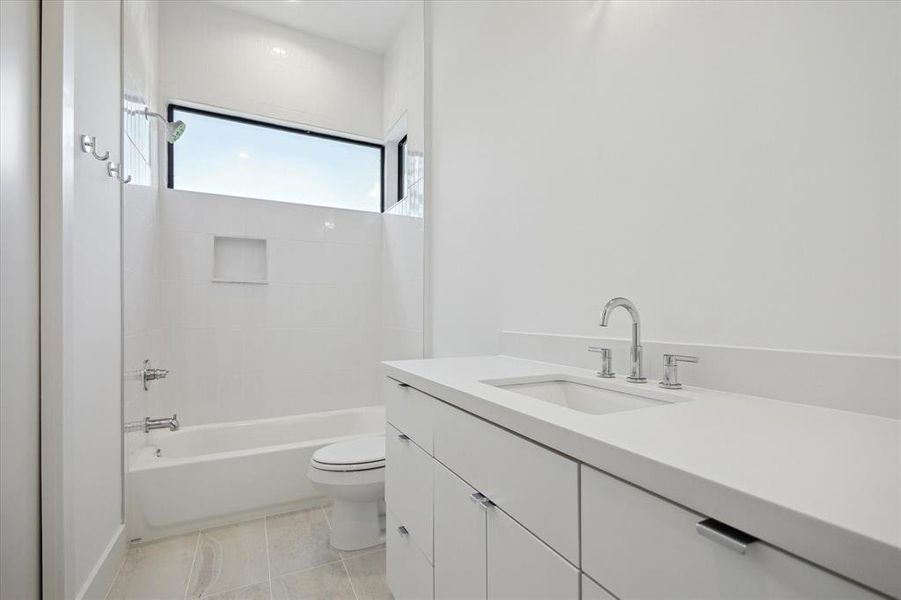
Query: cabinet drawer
x=410, y=411
x=592, y=591
x=409, y=573
x=408, y=487
x=535, y=486
x=640, y=546
x=522, y=567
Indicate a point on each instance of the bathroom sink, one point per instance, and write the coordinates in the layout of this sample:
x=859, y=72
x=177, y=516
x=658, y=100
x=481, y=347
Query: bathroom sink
x=584, y=395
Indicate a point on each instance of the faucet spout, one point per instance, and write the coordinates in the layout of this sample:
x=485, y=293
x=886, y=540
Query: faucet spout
x=636, y=373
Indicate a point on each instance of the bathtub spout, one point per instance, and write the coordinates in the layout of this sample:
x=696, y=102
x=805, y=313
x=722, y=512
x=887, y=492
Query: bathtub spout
x=148, y=424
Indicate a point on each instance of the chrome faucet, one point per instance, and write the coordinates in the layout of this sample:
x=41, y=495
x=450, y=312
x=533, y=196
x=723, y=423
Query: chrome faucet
x=670, y=379
x=150, y=374
x=148, y=424
x=636, y=372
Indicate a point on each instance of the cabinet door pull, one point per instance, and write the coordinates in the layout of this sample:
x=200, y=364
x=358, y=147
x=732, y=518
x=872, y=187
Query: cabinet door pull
x=403, y=437
x=724, y=535
x=402, y=384
x=403, y=530
x=482, y=500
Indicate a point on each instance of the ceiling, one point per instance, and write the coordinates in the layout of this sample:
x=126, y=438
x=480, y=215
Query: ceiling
x=367, y=24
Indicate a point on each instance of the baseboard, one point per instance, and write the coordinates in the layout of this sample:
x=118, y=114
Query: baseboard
x=104, y=573
x=869, y=384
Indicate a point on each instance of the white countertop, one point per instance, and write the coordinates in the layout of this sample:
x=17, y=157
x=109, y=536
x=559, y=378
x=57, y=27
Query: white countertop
x=820, y=483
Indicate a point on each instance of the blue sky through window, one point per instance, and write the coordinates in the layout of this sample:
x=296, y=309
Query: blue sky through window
x=221, y=156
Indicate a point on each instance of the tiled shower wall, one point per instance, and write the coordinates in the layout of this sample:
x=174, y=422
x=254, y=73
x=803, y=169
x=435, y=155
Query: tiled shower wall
x=306, y=341
x=402, y=278
x=140, y=211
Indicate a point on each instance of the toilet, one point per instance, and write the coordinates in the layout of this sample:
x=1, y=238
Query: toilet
x=352, y=474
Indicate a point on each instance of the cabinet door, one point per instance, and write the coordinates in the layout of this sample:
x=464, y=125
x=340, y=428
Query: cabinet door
x=460, y=570
x=408, y=573
x=592, y=591
x=537, y=487
x=408, y=487
x=520, y=566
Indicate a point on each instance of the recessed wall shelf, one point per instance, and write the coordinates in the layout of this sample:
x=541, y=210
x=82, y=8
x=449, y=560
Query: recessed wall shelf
x=240, y=260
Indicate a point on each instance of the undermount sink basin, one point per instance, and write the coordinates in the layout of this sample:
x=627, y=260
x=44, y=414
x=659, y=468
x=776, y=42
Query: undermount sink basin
x=585, y=396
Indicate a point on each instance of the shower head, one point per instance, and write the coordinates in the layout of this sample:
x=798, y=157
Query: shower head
x=173, y=130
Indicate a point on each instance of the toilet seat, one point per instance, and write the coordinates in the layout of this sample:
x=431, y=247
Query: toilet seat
x=360, y=454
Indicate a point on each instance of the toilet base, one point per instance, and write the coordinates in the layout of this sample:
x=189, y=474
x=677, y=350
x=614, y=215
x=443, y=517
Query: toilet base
x=356, y=525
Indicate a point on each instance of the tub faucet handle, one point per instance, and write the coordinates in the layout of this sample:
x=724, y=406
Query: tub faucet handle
x=148, y=373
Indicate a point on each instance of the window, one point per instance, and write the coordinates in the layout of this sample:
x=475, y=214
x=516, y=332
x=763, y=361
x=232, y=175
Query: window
x=401, y=168
x=234, y=156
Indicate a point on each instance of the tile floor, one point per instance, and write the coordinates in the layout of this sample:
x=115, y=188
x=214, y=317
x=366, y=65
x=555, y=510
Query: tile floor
x=278, y=557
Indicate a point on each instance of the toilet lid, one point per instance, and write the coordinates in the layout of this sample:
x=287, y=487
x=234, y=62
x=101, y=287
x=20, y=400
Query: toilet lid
x=360, y=453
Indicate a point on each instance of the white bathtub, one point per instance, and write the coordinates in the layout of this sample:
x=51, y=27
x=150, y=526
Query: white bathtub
x=212, y=474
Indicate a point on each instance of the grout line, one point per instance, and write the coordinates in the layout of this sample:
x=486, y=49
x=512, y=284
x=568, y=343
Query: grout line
x=268, y=562
x=341, y=557
x=305, y=569
x=193, y=562
x=240, y=587
x=349, y=579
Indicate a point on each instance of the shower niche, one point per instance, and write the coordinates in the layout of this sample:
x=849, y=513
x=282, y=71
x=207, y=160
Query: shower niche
x=240, y=260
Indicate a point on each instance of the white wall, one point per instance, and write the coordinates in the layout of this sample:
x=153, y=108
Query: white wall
x=731, y=167
x=403, y=237
x=404, y=78
x=20, y=554
x=307, y=341
x=214, y=56
x=93, y=421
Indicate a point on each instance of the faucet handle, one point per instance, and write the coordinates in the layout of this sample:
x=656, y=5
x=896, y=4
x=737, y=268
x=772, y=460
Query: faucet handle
x=606, y=361
x=670, y=379
x=671, y=359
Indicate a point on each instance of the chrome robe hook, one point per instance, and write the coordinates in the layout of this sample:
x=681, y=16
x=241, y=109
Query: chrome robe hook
x=89, y=146
x=115, y=170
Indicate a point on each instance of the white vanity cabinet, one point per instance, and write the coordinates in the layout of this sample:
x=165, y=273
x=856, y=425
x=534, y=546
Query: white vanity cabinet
x=408, y=487
x=536, y=486
x=488, y=513
x=408, y=571
x=409, y=411
x=642, y=546
x=408, y=491
x=481, y=552
x=476, y=511
x=592, y=591
x=461, y=566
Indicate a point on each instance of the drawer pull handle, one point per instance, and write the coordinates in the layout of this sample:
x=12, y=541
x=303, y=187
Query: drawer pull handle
x=403, y=437
x=402, y=384
x=724, y=535
x=403, y=530
x=482, y=500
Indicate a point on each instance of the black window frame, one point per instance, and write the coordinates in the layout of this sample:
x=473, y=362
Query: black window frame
x=170, y=148
x=401, y=167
